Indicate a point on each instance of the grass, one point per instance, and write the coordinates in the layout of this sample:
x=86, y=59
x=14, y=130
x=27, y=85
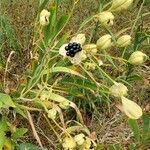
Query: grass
x=26, y=78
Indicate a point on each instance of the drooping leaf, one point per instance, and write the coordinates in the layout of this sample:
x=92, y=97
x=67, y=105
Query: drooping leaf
x=6, y=100
x=29, y=146
x=65, y=70
x=146, y=128
x=134, y=77
x=135, y=129
x=43, y=3
x=3, y=128
x=20, y=111
x=19, y=133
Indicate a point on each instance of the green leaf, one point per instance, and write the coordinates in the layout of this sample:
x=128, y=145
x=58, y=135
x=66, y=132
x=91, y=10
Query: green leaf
x=6, y=99
x=43, y=3
x=134, y=77
x=57, y=98
x=3, y=128
x=85, y=22
x=64, y=69
x=115, y=147
x=100, y=147
x=146, y=127
x=63, y=39
x=79, y=83
x=20, y=111
x=49, y=30
x=135, y=129
x=61, y=23
x=36, y=76
x=28, y=146
x=19, y=133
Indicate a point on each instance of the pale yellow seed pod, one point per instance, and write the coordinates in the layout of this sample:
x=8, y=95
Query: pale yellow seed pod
x=90, y=49
x=90, y=66
x=118, y=5
x=118, y=90
x=44, y=17
x=79, y=38
x=131, y=109
x=80, y=138
x=106, y=18
x=88, y=144
x=137, y=58
x=124, y=41
x=104, y=42
x=52, y=113
x=68, y=143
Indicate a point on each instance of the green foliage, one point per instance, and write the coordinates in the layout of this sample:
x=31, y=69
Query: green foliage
x=29, y=146
x=7, y=33
x=6, y=100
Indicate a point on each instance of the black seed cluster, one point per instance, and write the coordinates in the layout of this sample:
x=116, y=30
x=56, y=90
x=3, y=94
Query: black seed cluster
x=72, y=49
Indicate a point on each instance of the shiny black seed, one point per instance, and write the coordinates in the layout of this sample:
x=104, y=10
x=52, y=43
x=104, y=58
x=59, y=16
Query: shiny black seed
x=71, y=50
x=66, y=48
x=72, y=55
x=68, y=53
x=78, y=46
x=74, y=47
x=8, y=134
x=77, y=50
x=70, y=45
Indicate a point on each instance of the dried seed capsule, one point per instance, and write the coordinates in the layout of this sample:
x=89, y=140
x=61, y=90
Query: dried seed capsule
x=124, y=41
x=106, y=18
x=137, y=58
x=104, y=42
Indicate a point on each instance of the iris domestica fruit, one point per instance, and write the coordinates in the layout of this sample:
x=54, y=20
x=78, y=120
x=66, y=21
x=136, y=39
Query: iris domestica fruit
x=73, y=50
x=44, y=17
x=131, y=109
x=137, y=58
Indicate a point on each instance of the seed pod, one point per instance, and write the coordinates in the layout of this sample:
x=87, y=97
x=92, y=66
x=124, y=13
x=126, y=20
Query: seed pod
x=89, y=66
x=52, y=113
x=118, y=5
x=44, y=17
x=124, y=41
x=104, y=42
x=106, y=18
x=90, y=48
x=118, y=90
x=131, y=109
x=80, y=38
x=137, y=58
x=68, y=143
x=80, y=138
